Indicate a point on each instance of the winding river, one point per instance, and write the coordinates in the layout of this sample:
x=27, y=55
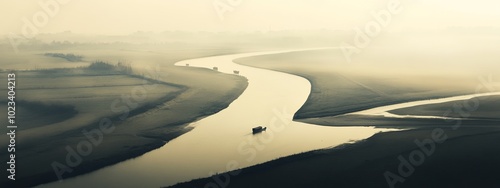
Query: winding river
x=224, y=141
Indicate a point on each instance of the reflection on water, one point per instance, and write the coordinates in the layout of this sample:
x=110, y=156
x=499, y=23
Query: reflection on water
x=224, y=141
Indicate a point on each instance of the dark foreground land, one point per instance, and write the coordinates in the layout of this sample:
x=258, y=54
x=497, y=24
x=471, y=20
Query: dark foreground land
x=465, y=157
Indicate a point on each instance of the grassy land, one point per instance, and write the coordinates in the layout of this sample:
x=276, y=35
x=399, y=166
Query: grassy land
x=37, y=114
x=68, y=57
x=468, y=157
x=175, y=97
x=339, y=88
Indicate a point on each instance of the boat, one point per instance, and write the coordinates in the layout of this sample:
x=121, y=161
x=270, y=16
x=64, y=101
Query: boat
x=258, y=129
x=236, y=72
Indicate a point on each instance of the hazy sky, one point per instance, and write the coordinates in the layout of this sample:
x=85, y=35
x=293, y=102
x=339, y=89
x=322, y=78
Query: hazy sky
x=127, y=16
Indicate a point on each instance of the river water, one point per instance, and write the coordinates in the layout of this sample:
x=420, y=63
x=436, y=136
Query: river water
x=224, y=141
x=384, y=110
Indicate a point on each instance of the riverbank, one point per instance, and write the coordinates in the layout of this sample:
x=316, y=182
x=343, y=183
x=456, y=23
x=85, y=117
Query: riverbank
x=466, y=159
x=147, y=127
x=339, y=88
x=270, y=99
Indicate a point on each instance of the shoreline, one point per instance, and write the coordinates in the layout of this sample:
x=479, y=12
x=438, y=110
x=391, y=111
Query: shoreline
x=363, y=163
x=125, y=143
x=212, y=131
x=154, y=137
x=332, y=90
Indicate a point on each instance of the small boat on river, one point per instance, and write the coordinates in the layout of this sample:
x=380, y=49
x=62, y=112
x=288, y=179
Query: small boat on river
x=258, y=129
